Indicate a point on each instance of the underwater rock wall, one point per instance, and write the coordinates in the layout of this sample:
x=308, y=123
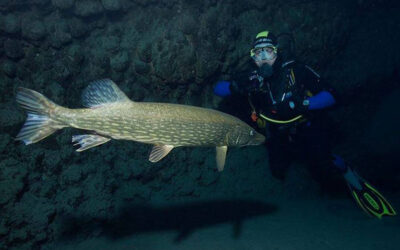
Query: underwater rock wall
x=170, y=51
x=167, y=49
x=366, y=73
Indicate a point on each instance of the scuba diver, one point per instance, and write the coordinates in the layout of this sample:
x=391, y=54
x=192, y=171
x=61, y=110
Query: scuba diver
x=288, y=100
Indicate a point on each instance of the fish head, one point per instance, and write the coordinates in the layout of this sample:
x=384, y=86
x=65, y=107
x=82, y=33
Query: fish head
x=244, y=135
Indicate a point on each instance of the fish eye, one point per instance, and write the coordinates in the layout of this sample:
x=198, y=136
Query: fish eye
x=252, y=132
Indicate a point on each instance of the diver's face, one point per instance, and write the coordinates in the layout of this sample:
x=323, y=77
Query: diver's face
x=265, y=55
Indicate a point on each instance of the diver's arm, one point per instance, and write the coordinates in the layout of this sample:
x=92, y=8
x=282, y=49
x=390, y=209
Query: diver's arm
x=241, y=86
x=324, y=95
x=321, y=100
x=226, y=88
x=223, y=89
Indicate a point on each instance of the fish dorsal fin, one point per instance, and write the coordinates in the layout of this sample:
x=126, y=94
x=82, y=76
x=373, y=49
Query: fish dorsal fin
x=101, y=92
x=221, y=156
x=159, y=151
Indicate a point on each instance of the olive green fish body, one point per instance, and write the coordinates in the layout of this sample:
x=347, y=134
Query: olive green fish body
x=156, y=123
x=111, y=115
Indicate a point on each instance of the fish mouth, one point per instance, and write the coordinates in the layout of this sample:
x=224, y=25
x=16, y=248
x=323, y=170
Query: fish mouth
x=259, y=139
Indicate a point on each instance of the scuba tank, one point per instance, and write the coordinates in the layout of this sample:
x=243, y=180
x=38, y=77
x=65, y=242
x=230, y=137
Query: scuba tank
x=286, y=46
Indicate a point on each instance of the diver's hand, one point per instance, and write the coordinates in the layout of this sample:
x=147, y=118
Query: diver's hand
x=255, y=81
x=222, y=88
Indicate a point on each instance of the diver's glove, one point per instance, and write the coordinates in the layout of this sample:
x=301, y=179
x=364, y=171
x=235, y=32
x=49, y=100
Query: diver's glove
x=226, y=88
x=321, y=100
x=222, y=88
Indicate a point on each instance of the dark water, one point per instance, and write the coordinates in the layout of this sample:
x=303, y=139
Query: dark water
x=112, y=197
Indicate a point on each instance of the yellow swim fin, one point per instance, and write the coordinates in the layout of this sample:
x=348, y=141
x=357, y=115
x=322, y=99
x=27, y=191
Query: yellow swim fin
x=368, y=198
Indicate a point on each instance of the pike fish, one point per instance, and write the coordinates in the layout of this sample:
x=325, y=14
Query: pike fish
x=110, y=114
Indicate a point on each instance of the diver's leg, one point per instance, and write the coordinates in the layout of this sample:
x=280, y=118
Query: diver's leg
x=279, y=157
x=324, y=165
x=315, y=147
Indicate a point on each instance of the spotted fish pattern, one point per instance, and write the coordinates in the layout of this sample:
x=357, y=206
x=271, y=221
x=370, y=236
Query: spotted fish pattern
x=110, y=114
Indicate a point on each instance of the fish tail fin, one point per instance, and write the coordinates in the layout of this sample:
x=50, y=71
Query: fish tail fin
x=38, y=124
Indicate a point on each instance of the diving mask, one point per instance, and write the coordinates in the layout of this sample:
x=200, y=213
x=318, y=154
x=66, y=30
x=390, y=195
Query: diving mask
x=264, y=53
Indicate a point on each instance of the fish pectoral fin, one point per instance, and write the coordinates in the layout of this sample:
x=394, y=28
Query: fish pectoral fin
x=159, y=151
x=88, y=141
x=221, y=156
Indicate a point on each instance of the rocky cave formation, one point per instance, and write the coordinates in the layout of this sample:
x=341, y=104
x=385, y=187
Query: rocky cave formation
x=174, y=51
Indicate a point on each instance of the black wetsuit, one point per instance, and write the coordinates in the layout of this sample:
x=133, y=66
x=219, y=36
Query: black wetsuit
x=308, y=138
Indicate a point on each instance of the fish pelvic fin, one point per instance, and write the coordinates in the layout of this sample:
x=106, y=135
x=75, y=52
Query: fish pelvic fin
x=159, y=151
x=102, y=92
x=221, y=157
x=38, y=124
x=88, y=141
